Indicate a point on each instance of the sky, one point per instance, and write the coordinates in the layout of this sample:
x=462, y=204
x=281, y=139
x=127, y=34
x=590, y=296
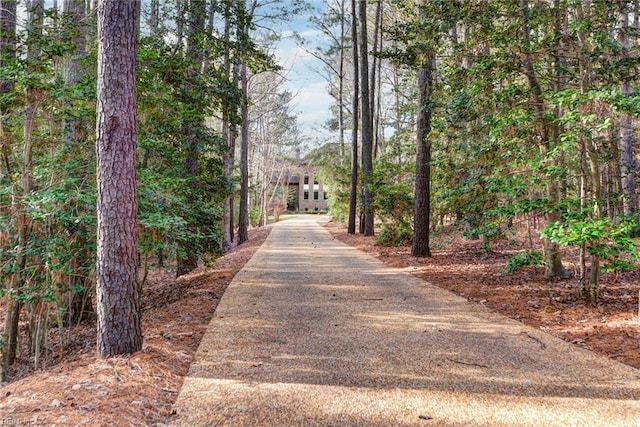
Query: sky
x=305, y=79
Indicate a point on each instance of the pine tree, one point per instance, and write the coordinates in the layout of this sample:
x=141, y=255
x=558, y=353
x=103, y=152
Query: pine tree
x=117, y=292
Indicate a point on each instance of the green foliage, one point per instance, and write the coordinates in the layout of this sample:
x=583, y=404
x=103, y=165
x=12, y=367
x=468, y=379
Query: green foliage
x=254, y=216
x=489, y=230
x=47, y=177
x=524, y=259
x=493, y=157
x=393, y=186
x=179, y=213
x=339, y=203
x=394, y=234
x=47, y=193
x=336, y=176
x=609, y=240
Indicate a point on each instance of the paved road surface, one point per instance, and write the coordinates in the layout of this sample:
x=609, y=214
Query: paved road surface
x=314, y=332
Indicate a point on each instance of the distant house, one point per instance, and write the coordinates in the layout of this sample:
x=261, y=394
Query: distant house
x=306, y=191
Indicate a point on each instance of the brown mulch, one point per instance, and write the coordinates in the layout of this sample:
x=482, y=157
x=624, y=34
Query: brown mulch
x=611, y=327
x=77, y=388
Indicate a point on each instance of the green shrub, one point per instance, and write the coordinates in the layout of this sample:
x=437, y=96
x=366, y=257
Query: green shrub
x=394, y=234
x=254, y=216
x=524, y=259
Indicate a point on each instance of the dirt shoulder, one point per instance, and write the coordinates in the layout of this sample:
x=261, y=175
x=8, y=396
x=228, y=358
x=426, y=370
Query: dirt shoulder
x=610, y=328
x=79, y=389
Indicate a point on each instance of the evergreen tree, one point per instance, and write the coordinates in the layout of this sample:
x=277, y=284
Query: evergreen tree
x=118, y=295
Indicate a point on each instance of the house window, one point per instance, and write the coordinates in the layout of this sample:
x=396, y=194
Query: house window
x=325, y=195
x=305, y=187
x=315, y=194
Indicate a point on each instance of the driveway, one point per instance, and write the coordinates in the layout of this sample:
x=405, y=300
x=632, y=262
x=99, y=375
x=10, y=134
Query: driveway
x=314, y=332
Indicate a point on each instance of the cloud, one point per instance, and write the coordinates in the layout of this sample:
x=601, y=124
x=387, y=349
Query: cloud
x=312, y=104
x=311, y=101
x=313, y=34
x=295, y=58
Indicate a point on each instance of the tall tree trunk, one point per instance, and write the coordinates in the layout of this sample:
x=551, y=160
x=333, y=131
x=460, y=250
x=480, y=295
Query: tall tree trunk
x=341, y=129
x=582, y=284
x=553, y=259
x=377, y=38
x=629, y=164
x=245, y=17
x=422, y=203
x=243, y=221
x=227, y=168
x=74, y=301
x=211, y=16
x=35, y=16
x=233, y=134
x=138, y=4
x=118, y=295
x=353, y=193
x=378, y=129
x=7, y=54
x=195, y=55
x=367, y=124
x=181, y=9
x=596, y=188
x=227, y=155
x=154, y=18
x=194, y=119
x=74, y=13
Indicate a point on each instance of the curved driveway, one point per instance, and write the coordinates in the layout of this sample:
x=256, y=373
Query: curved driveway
x=314, y=332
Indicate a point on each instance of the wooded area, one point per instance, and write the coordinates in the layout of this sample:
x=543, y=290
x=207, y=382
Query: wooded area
x=496, y=112
x=481, y=114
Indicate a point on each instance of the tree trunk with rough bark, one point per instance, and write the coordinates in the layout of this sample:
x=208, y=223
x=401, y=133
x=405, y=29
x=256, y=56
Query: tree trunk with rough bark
x=553, y=259
x=75, y=304
x=422, y=202
x=193, y=121
x=117, y=292
x=227, y=155
x=629, y=164
x=367, y=124
x=243, y=221
x=353, y=193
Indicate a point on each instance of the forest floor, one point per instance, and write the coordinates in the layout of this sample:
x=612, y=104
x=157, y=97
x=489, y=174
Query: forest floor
x=76, y=388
